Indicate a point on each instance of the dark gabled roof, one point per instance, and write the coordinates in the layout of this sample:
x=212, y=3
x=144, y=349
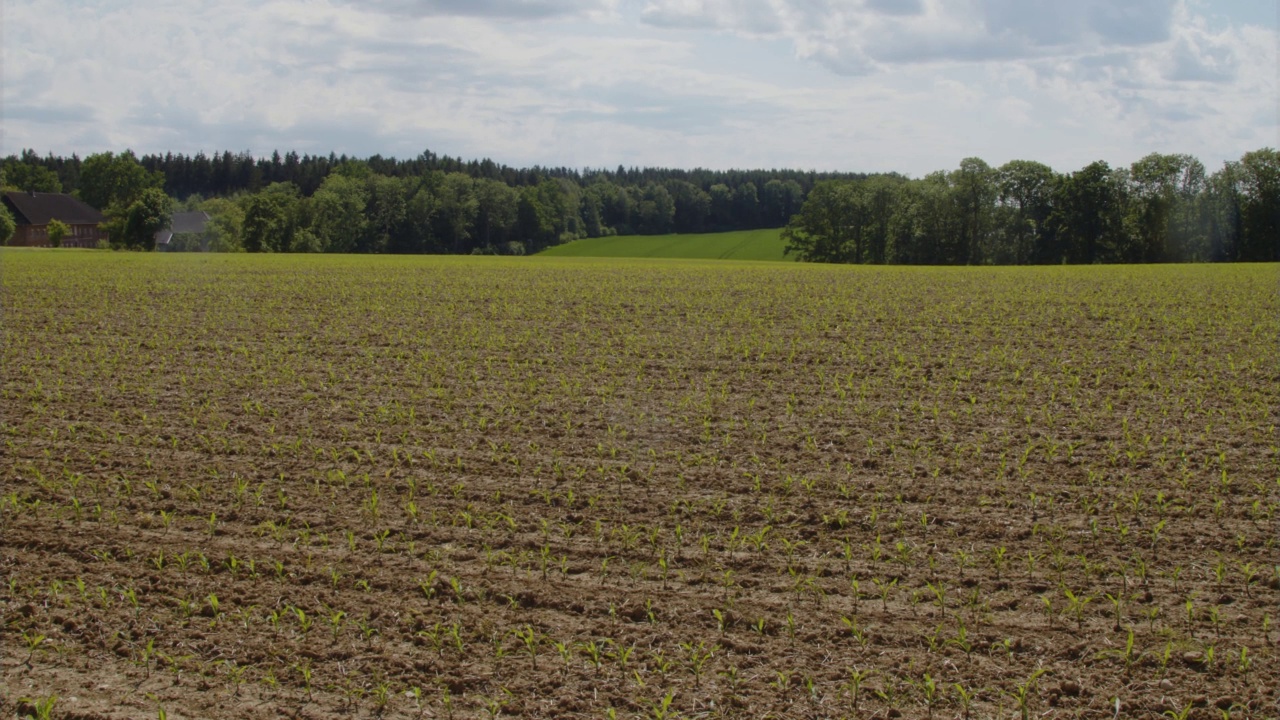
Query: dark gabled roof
x=189, y=222
x=38, y=208
x=182, y=222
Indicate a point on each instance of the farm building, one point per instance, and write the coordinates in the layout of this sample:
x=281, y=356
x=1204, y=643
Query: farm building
x=186, y=231
x=33, y=211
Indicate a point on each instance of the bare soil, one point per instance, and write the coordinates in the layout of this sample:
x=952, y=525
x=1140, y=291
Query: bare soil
x=401, y=488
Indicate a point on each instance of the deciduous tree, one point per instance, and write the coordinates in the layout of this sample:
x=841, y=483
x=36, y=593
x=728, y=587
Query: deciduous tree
x=7, y=225
x=1260, y=205
x=148, y=214
x=57, y=231
x=112, y=183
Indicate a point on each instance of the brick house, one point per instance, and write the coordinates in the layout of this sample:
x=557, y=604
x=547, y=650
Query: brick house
x=33, y=212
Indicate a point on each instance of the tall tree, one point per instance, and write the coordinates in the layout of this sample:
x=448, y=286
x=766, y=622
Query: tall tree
x=779, y=200
x=226, y=225
x=746, y=206
x=1024, y=204
x=878, y=197
x=497, y=209
x=1224, y=221
x=455, y=212
x=146, y=216
x=270, y=218
x=826, y=228
x=692, y=206
x=614, y=203
x=28, y=177
x=337, y=213
x=656, y=211
x=1259, y=173
x=925, y=223
x=975, y=192
x=1162, y=216
x=1089, y=215
x=721, y=207
x=385, y=213
x=112, y=182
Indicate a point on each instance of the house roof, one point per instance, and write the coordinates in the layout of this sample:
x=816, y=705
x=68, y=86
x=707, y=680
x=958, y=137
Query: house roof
x=189, y=222
x=38, y=208
x=182, y=222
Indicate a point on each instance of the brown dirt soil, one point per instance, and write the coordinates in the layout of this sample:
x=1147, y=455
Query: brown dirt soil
x=242, y=487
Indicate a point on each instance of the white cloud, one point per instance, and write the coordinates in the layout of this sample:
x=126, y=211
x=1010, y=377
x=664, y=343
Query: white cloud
x=909, y=85
x=854, y=35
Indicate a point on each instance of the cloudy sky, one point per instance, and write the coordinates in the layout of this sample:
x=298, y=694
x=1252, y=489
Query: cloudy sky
x=860, y=85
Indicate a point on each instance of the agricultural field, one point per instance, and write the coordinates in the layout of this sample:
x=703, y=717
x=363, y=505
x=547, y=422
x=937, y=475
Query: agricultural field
x=739, y=245
x=378, y=487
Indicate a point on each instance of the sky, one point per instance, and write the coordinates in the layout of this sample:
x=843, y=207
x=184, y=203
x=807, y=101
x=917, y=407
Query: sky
x=911, y=86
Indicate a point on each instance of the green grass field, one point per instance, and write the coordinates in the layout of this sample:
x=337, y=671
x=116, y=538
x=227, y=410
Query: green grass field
x=742, y=245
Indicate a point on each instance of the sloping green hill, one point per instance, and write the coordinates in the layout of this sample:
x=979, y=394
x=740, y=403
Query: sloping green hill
x=742, y=245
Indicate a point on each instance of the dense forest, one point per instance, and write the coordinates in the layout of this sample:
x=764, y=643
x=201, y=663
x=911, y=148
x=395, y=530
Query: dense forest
x=1161, y=208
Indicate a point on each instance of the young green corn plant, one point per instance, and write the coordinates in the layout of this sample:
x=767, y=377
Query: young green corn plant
x=529, y=639
x=236, y=674
x=1250, y=576
x=888, y=693
x=998, y=559
x=1076, y=605
x=41, y=708
x=1023, y=693
x=428, y=585
x=147, y=652
x=851, y=624
x=965, y=697
x=885, y=589
x=304, y=670
x=1031, y=561
x=928, y=689
x=435, y=636
x=32, y=641
x=382, y=696
x=336, y=620
x=304, y=621
x=594, y=652
x=622, y=655
x=1215, y=619
x=458, y=595
x=661, y=710
x=697, y=659
x=131, y=596
x=781, y=681
x=854, y=684
x=455, y=633
x=1117, y=604
x=565, y=651
x=961, y=641
x=1128, y=655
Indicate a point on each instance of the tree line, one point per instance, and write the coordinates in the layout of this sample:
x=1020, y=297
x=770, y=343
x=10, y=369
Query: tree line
x=1161, y=208
x=430, y=204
